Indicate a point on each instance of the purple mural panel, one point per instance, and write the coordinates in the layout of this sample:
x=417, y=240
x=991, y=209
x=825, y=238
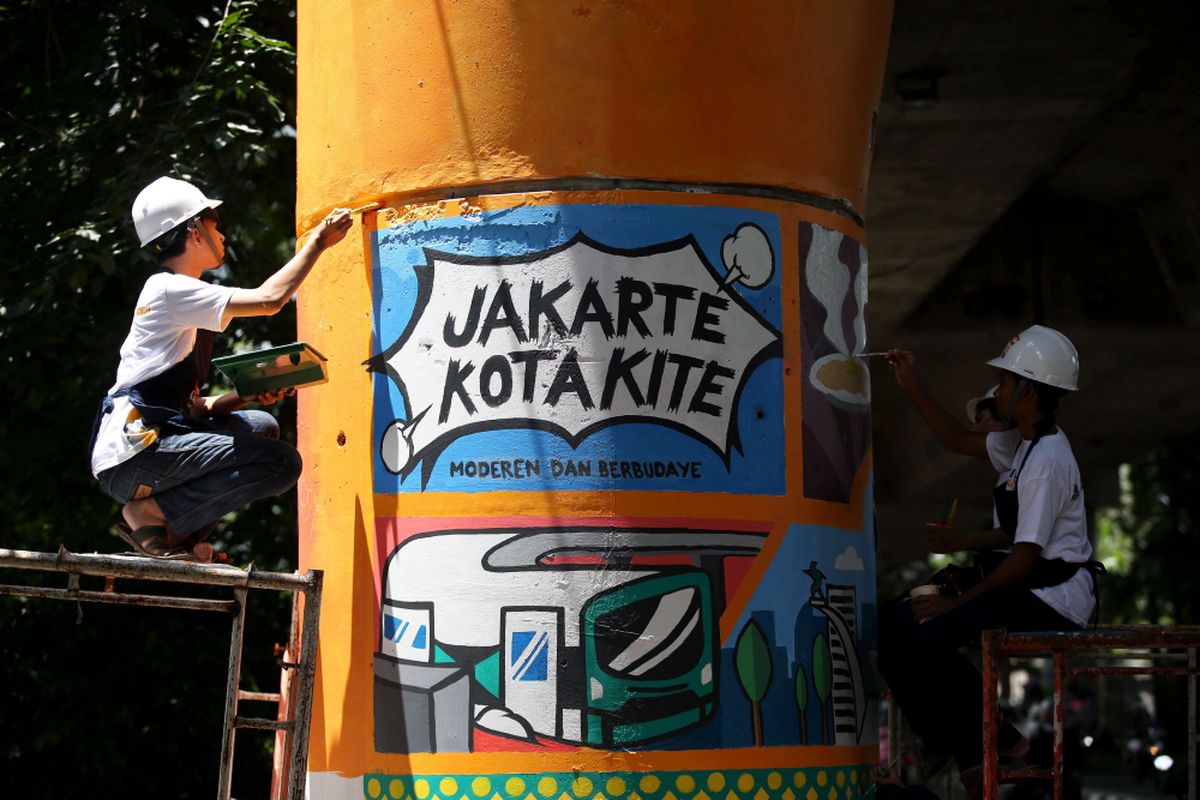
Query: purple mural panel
x=836, y=385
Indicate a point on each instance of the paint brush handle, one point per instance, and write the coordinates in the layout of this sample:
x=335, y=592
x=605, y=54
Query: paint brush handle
x=953, y=510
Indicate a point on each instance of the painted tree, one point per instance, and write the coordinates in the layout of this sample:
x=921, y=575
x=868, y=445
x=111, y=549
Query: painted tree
x=822, y=679
x=752, y=663
x=800, y=689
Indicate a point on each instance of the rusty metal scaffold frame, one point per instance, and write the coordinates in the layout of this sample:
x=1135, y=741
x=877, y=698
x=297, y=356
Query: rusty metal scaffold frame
x=298, y=659
x=1146, y=643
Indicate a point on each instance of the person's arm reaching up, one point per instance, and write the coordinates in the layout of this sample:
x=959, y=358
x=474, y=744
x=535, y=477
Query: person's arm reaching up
x=276, y=290
x=945, y=427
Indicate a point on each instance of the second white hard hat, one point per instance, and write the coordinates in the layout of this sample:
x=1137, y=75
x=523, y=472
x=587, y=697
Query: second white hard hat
x=1041, y=354
x=164, y=204
x=973, y=403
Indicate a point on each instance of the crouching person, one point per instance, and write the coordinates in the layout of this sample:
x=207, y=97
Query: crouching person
x=176, y=460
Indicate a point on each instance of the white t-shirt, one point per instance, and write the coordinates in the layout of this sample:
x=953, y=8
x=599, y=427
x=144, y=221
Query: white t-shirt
x=169, y=310
x=1051, y=512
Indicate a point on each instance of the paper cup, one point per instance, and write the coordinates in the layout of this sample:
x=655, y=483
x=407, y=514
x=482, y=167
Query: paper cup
x=924, y=590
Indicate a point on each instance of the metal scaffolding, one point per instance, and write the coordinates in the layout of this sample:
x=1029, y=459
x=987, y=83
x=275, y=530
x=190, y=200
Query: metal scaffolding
x=298, y=658
x=1154, y=644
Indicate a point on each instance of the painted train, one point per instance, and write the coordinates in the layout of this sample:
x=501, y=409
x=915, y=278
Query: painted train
x=512, y=647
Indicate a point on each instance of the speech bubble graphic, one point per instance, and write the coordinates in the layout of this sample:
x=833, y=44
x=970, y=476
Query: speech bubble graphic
x=570, y=340
x=748, y=257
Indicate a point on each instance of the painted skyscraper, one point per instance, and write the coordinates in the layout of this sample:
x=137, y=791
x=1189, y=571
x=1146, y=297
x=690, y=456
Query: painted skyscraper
x=849, y=706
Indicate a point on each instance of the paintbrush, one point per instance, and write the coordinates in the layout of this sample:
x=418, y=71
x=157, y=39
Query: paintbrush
x=953, y=510
x=355, y=210
x=879, y=354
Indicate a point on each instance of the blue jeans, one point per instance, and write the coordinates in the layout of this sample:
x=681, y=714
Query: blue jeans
x=199, y=477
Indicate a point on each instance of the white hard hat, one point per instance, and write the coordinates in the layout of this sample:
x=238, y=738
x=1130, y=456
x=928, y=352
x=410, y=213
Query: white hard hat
x=1041, y=354
x=973, y=403
x=164, y=204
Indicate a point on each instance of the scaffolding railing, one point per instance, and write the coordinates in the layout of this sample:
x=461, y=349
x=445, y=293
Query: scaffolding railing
x=298, y=658
x=1154, y=644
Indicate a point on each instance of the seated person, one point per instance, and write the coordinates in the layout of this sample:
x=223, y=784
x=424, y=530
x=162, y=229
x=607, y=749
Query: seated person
x=1043, y=583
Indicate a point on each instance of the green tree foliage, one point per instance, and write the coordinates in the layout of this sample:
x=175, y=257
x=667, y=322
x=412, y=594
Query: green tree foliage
x=752, y=663
x=97, y=100
x=800, y=689
x=822, y=670
x=1150, y=542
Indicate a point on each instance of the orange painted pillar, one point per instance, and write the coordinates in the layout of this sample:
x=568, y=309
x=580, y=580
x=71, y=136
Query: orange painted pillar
x=590, y=480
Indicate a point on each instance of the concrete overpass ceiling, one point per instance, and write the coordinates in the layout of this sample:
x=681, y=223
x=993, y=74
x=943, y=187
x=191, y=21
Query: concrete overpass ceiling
x=1036, y=162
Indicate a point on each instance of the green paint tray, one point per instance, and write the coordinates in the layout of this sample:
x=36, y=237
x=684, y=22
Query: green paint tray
x=284, y=367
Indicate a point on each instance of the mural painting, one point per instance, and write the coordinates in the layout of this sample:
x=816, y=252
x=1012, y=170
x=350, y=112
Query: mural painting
x=631, y=347
x=597, y=636
x=574, y=353
x=608, y=637
x=804, y=641
x=525, y=348
x=837, y=384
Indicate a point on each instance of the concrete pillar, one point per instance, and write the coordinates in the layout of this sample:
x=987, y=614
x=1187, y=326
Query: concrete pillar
x=590, y=480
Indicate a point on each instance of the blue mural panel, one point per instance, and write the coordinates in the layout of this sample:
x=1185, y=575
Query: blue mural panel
x=824, y=643
x=628, y=347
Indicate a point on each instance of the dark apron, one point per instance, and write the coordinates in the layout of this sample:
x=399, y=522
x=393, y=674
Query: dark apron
x=163, y=400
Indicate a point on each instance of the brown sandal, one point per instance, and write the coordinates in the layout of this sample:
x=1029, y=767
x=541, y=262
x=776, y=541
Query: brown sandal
x=150, y=540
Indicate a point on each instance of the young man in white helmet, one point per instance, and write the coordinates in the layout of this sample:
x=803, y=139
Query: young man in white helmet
x=176, y=460
x=1044, y=583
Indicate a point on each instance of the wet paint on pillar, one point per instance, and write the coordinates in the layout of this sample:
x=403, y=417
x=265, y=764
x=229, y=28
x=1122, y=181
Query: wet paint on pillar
x=706, y=629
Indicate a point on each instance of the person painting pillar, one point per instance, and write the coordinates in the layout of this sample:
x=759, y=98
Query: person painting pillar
x=590, y=480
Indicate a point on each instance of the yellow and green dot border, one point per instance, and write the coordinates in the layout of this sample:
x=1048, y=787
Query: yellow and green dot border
x=810, y=783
